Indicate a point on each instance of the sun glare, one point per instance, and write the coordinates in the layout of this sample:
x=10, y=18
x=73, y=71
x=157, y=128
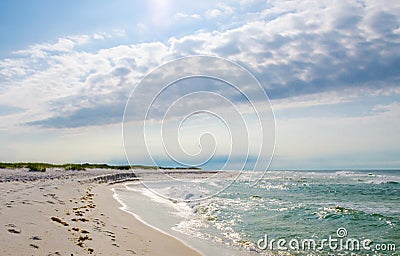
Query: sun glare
x=159, y=12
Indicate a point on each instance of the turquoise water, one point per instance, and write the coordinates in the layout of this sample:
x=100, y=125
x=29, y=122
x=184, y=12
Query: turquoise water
x=293, y=205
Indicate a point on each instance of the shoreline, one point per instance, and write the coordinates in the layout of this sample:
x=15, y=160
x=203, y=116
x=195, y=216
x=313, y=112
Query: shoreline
x=71, y=216
x=168, y=245
x=148, y=205
x=124, y=208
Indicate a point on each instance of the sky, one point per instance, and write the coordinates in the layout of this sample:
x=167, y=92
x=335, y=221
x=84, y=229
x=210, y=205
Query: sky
x=331, y=70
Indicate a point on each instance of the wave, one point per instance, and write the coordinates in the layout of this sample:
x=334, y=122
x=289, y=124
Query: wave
x=378, y=182
x=279, y=204
x=334, y=212
x=345, y=172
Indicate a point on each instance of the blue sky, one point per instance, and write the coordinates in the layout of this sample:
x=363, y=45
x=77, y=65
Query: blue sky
x=330, y=69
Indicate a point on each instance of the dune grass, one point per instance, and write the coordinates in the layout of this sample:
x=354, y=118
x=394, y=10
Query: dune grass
x=41, y=167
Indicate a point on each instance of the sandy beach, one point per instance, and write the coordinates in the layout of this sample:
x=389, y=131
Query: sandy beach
x=62, y=212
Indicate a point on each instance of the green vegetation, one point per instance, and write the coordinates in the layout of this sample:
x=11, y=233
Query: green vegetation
x=36, y=168
x=41, y=167
x=70, y=166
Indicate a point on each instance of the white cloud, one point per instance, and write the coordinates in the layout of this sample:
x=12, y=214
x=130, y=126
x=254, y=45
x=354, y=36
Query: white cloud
x=101, y=36
x=66, y=44
x=50, y=84
x=214, y=13
x=316, y=99
x=305, y=53
x=183, y=16
x=221, y=10
x=295, y=49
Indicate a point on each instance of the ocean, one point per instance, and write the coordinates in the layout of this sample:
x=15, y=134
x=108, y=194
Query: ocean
x=286, y=212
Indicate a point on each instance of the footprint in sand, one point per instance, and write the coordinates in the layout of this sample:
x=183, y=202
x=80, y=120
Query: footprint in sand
x=57, y=219
x=55, y=253
x=34, y=246
x=13, y=229
x=80, y=219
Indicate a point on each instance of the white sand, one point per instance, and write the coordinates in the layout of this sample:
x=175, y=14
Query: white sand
x=58, y=215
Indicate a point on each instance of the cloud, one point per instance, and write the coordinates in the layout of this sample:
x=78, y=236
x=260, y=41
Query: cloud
x=214, y=13
x=184, y=16
x=66, y=44
x=222, y=10
x=53, y=88
x=310, y=49
x=295, y=49
x=9, y=110
x=98, y=115
x=63, y=45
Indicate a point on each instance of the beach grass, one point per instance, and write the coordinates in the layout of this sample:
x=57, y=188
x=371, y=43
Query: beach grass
x=41, y=167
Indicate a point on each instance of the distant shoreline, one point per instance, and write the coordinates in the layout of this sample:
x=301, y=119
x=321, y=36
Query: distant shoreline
x=40, y=166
